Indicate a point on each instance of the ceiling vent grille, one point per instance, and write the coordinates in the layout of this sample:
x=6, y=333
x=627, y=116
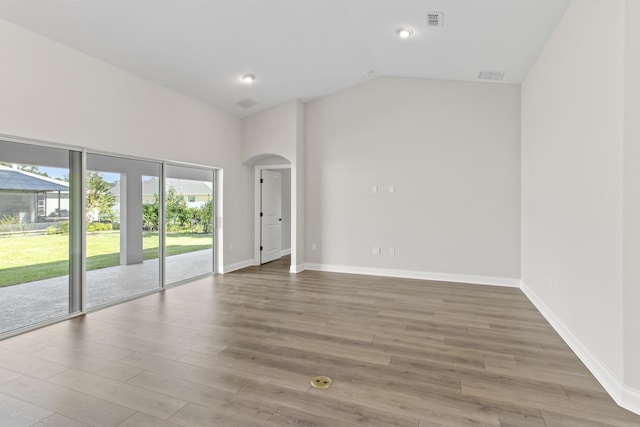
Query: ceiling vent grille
x=491, y=75
x=247, y=103
x=435, y=19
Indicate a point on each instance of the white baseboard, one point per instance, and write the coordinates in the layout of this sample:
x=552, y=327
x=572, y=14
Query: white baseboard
x=285, y=252
x=295, y=269
x=420, y=275
x=237, y=266
x=623, y=395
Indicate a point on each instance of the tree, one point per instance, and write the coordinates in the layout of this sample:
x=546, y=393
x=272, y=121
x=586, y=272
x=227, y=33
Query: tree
x=27, y=168
x=177, y=211
x=178, y=215
x=99, y=199
x=150, y=214
x=33, y=169
x=206, y=216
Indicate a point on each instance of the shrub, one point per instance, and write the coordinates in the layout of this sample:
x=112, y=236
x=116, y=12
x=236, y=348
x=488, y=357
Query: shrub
x=9, y=220
x=98, y=226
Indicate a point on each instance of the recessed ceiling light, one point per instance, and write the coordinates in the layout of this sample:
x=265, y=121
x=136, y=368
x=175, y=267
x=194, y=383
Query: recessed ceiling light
x=404, y=32
x=248, y=78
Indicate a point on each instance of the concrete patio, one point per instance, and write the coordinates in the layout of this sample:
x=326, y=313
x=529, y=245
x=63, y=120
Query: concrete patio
x=34, y=302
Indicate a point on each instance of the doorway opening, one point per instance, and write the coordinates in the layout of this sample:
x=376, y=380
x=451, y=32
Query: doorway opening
x=273, y=213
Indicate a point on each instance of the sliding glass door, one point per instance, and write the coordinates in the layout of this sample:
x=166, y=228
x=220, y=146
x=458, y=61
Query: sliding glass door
x=83, y=230
x=189, y=223
x=122, y=237
x=36, y=215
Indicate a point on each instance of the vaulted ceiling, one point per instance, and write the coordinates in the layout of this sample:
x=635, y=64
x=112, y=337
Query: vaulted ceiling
x=297, y=49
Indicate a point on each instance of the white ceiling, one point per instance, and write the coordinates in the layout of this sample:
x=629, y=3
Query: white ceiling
x=298, y=49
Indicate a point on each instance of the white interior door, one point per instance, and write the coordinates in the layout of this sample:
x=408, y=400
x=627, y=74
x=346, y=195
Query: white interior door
x=271, y=216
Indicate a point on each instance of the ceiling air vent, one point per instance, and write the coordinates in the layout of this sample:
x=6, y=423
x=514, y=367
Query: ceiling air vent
x=491, y=75
x=435, y=19
x=247, y=103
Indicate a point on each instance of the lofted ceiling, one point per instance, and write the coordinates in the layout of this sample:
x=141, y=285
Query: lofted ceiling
x=297, y=49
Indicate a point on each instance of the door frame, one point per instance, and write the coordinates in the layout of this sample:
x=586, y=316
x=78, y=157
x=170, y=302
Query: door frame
x=258, y=205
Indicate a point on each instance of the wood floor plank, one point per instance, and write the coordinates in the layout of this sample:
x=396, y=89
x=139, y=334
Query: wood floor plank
x=400, y=404
x=203, y=395
x=562, y=373
x=211, y=375
x=350, y=333
x=195, y=343
x=143, y=420
x=21, y=344
x=85, y=346
x=29, y=365
x=58, y=420
x=139, y=345
x=137, y=326
x=341, y=348
x=299, y=361
x=554, y=419
x=194, y=415
x=15, y=412
x=285, y=416
x=545, y=396
x=120, y=393
x=8, y=375
x=75, y=405
x=247, y=369
x=84, y=362
x=323, y=405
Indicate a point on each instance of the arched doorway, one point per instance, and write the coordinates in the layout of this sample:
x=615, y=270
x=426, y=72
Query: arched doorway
x=280, y=167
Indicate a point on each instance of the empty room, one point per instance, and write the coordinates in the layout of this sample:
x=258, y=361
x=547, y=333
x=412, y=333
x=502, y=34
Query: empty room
x=320, y=213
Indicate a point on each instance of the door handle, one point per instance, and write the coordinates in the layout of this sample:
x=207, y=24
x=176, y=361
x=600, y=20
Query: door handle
x=279, y=219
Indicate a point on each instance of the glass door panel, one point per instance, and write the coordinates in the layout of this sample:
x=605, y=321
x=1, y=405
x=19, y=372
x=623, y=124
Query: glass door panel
x=189, y=223
x=123, y=242
x=34, y=234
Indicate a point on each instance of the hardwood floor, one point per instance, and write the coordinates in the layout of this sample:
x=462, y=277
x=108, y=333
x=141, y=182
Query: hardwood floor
x=241, y=349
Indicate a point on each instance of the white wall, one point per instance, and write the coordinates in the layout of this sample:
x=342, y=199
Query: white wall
x=298, y=193
x=573, y=146
x=632, y=197
x=452, y=151
x=279, y=131
x=270, y=132
x=52, y=93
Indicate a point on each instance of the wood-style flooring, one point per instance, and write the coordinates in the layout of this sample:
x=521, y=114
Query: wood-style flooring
x=241, y=349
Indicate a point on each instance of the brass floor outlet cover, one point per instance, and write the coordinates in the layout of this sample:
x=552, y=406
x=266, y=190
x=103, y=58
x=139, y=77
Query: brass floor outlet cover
x=321, y=382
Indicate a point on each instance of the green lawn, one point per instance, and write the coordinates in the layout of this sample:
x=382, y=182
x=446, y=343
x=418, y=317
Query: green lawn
x=28, y=258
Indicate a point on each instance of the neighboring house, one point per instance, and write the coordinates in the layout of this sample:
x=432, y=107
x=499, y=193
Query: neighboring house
x=31, y=197
x=195, y=193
